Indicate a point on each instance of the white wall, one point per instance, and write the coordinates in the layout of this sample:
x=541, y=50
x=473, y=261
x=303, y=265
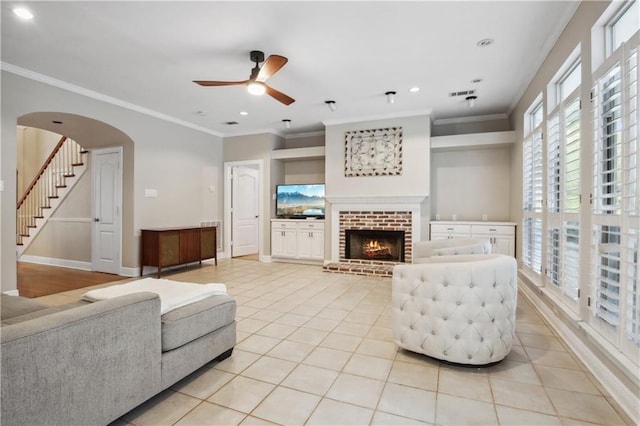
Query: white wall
x=471, y=183
x=67, y=233
x=304, y=171
x=168, y=157
x=414, y=180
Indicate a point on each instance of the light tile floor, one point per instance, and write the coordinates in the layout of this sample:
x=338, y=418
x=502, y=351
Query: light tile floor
x=316, y=348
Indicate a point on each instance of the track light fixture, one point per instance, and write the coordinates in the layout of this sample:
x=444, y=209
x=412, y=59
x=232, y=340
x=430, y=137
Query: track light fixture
x=471, y=100
x=331, y=105
x=287, y=123
x=391, y=97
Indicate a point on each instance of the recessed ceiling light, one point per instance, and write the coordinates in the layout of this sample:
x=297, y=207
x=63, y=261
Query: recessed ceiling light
x=244, y=113
x=23, y=13
x=414, y=89
x=485, y=42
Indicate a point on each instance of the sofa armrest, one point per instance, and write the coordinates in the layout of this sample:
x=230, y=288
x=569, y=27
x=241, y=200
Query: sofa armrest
x=86, y=365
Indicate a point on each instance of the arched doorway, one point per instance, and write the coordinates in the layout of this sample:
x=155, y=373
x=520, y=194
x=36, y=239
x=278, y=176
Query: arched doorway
x=96, y=135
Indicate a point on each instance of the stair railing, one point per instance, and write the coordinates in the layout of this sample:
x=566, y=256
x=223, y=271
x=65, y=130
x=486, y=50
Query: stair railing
x=45, y=184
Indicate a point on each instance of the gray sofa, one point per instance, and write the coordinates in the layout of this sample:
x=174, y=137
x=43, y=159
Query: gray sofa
x=90, y=363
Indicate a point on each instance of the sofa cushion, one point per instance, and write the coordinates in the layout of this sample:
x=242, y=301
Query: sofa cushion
x=13, y=306
x=185, y=324
x=41, y=312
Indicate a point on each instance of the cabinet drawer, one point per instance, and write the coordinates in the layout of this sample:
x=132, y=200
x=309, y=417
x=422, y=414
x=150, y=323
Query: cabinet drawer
x=450, y=229
x=284, y=225
x=311, y=226
x=493, y=229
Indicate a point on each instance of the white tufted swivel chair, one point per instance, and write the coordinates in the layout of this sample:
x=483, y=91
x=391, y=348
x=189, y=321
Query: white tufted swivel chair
x=422, y=250
x=460, y=309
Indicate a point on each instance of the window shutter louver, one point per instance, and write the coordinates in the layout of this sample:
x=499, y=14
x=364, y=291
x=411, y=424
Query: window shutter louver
x=616, y=208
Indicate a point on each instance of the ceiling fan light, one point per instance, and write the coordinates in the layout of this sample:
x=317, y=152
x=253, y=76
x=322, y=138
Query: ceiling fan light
x=256, y=88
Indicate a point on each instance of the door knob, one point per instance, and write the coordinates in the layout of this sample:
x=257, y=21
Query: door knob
x=97, y=219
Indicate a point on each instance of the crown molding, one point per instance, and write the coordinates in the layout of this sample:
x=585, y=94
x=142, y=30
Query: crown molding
x=474, y=119
x=32, y=75
x=377, y=117
x=254, y=132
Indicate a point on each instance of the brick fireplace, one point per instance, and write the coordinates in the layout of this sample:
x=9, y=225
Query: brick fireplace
x=377, y=234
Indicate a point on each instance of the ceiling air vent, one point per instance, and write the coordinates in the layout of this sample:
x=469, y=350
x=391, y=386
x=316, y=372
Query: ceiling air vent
x=462, y=93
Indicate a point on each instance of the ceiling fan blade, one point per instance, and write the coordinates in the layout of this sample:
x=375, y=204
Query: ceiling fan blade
x=279, y=96
x=220, y=83
x=271, y=66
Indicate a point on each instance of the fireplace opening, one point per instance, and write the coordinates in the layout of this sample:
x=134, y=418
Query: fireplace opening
x=374, y=245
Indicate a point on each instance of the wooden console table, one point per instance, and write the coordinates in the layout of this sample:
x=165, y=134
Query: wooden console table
x=165, y=247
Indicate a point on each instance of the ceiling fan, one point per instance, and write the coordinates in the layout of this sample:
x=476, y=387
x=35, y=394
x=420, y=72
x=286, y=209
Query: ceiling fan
x=256, y=82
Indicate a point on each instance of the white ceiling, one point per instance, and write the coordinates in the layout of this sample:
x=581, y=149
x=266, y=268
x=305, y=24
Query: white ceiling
x=146, y=54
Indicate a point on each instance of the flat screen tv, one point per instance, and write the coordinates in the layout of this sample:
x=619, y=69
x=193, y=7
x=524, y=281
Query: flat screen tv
x=300, y=201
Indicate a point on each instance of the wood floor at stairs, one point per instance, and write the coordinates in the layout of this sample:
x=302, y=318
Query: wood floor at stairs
x=36, y=280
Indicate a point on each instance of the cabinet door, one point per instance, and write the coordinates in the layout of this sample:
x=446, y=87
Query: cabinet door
x=502, y=237
x=504, y=244
x=311, y=244
x=317, y=245
x=283, y=243
x=208, y=243
x=168, y=248
x=189, y=245
x=439, y=236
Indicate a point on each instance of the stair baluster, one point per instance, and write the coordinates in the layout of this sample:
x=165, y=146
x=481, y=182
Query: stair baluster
x=44, y=187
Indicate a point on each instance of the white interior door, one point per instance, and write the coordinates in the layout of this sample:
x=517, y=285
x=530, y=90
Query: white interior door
x=107, y=188
x=244, y=210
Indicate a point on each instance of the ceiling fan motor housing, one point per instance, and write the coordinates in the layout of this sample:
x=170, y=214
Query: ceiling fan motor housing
x=256, y=56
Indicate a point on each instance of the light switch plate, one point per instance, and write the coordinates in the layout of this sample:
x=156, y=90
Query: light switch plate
x=151, y=193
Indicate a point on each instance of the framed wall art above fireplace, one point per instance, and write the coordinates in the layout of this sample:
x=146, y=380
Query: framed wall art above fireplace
x=376, y=152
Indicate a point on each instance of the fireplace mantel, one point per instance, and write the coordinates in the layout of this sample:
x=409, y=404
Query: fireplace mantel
x=359, y=200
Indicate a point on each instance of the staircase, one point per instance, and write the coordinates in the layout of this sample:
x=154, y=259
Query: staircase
x=59, y=173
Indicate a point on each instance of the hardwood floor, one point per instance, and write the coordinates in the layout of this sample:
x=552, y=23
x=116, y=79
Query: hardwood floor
x=36, y=280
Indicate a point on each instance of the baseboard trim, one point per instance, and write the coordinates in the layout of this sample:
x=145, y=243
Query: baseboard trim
x=586, y=350
x=129, y=272
x=12, y=293
x=51, y=261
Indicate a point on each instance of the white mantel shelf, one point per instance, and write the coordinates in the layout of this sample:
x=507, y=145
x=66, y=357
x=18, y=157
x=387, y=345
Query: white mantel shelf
x=400, y=199
x=473, y=140
x=310, y=153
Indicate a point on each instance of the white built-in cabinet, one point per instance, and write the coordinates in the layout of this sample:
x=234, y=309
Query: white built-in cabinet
x=502, y=235
x=297, y=239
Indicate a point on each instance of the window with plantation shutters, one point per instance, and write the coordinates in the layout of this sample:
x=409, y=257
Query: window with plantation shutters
x=563, y=188
x=615, y=205
x=533, y=189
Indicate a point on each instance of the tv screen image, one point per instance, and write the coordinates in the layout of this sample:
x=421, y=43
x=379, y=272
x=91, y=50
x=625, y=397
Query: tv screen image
x=300, y=200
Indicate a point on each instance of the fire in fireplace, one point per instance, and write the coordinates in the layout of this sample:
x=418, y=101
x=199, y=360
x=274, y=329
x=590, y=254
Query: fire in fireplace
x=374, y=245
